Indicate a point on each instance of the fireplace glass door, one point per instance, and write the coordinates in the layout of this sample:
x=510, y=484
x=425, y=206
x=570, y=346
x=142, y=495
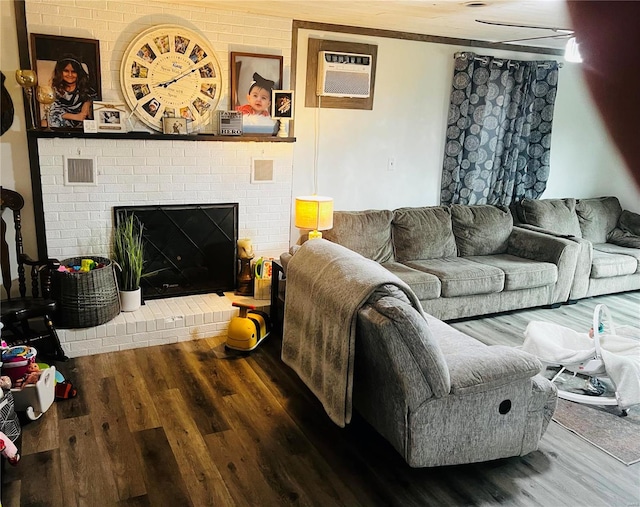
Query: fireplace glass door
x=188, y=249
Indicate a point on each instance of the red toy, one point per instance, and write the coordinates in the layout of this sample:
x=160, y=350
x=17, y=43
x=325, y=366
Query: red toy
x=8, y=449
x=30, y=377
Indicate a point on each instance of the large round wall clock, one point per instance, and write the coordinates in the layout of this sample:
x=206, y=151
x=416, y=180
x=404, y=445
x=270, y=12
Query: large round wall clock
x=170, y=70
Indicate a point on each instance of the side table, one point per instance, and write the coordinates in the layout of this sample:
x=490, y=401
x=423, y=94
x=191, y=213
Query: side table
x=277, y=297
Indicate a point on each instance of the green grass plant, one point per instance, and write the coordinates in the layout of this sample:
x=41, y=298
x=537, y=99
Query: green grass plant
x=128, y=252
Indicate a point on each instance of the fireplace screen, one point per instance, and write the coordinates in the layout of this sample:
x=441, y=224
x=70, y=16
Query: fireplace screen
x=188, y=249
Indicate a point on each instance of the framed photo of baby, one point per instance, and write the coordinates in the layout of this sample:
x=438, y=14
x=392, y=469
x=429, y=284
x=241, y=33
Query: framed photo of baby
x=68, y=70
x=253, y=79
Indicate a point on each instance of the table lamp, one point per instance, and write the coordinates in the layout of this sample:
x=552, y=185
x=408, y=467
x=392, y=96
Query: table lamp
x=315, y=213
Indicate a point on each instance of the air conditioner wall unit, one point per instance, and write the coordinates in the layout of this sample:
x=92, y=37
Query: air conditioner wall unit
x=344, y=74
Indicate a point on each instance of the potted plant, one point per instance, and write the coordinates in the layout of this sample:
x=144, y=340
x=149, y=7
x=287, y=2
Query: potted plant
x=128, y=253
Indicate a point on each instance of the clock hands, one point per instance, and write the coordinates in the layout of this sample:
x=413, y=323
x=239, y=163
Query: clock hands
x=177, y=78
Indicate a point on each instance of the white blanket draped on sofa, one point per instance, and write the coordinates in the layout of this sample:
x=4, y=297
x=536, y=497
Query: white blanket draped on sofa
x=326, y=286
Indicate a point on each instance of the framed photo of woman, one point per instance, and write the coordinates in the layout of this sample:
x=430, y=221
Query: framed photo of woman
x=70, y=66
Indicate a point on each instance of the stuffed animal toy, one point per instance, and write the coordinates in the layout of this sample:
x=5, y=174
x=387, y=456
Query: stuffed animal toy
x=30, y=377
x=5, y=383
x=8, y=449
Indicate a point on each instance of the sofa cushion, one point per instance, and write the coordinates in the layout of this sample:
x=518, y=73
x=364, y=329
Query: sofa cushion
x=481, y=229
x=619, y=250
x=521, y=273
x=424, y=285
x=461, y=277
x=598, y=217
x=365, y=232
x=475, y=367
x=606, y=265
x=555, y=215
x=423, y=233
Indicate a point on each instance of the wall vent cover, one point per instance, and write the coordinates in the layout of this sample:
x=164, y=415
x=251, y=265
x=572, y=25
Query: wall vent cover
x=80, y=171
x=262, y=171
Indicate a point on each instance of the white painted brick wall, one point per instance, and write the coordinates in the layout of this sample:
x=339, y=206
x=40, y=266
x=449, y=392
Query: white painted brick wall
x=81, y=216
x=78, y=219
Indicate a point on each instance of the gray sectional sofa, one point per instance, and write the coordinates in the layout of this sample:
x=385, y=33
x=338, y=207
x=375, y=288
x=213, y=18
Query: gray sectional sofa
x=462, y=261
x=437, y=395
x=608, y=236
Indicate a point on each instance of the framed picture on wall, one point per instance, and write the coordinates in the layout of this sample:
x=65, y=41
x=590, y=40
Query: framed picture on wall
x=68, y=70
x=253, y=79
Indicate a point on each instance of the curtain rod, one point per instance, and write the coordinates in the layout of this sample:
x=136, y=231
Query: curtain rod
x=500, y=61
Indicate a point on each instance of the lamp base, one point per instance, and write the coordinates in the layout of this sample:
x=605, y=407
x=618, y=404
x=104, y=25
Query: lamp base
x=282, y=129
x=315, y=235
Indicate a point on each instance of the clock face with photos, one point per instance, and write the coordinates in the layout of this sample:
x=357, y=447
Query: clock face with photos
x=170, y=70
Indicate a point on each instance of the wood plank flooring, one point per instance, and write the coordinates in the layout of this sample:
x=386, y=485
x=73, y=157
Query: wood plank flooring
x=187, y=425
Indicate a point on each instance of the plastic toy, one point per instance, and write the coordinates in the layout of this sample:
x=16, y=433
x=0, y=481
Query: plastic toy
x=248, y=329
x=35, y=399
x=8, y=449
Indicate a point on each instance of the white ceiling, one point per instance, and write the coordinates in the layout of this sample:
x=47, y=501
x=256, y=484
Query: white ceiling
x=447, y=18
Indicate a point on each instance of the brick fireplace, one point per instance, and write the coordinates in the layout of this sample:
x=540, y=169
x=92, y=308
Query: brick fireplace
x=79, y=219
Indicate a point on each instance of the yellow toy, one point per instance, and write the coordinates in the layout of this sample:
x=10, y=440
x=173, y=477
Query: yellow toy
x=247, y=330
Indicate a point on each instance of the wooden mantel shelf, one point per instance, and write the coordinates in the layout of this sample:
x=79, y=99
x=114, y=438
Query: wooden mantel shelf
x=68, y=134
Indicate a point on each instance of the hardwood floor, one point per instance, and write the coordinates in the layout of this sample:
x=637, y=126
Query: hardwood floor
x=184, y=425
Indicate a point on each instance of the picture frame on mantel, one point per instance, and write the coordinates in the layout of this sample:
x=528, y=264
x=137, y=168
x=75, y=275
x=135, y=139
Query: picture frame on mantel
x=110, y=117
x=246, y=70
x=244, y=65
x=51, y=55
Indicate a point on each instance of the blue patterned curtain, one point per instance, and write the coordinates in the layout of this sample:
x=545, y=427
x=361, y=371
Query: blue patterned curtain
x=498, y=144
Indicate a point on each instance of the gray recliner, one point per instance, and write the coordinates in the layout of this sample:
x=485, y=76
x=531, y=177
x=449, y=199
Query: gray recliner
x=441, y=397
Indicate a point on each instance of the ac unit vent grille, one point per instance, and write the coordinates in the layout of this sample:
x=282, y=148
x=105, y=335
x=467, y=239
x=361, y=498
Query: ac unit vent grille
x=347, y=83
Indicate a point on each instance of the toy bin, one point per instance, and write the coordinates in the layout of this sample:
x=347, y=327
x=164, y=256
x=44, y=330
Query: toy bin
x=15, y=361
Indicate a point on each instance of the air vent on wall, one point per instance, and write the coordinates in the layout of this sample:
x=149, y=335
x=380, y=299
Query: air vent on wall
x=80, y=171
x=262, y=171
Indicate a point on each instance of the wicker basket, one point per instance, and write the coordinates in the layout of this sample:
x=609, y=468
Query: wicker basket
x=85, y=299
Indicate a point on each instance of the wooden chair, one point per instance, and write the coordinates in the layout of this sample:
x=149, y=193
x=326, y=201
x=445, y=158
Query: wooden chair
x=27, y=320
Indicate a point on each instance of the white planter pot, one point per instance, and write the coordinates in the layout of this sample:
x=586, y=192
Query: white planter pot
x=130, y=300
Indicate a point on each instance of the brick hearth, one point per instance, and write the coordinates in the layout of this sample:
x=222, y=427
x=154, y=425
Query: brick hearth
x=158, y=322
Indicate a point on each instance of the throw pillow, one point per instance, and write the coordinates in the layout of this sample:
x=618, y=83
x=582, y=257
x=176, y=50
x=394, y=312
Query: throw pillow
x=481, y=229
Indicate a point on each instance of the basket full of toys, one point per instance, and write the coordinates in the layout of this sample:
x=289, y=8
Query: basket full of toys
x=86, y=291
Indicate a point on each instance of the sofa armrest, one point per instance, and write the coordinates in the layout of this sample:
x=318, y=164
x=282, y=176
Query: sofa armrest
x=285, y=257
x=580, y=282
x=543, y=247
x=480, y=369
